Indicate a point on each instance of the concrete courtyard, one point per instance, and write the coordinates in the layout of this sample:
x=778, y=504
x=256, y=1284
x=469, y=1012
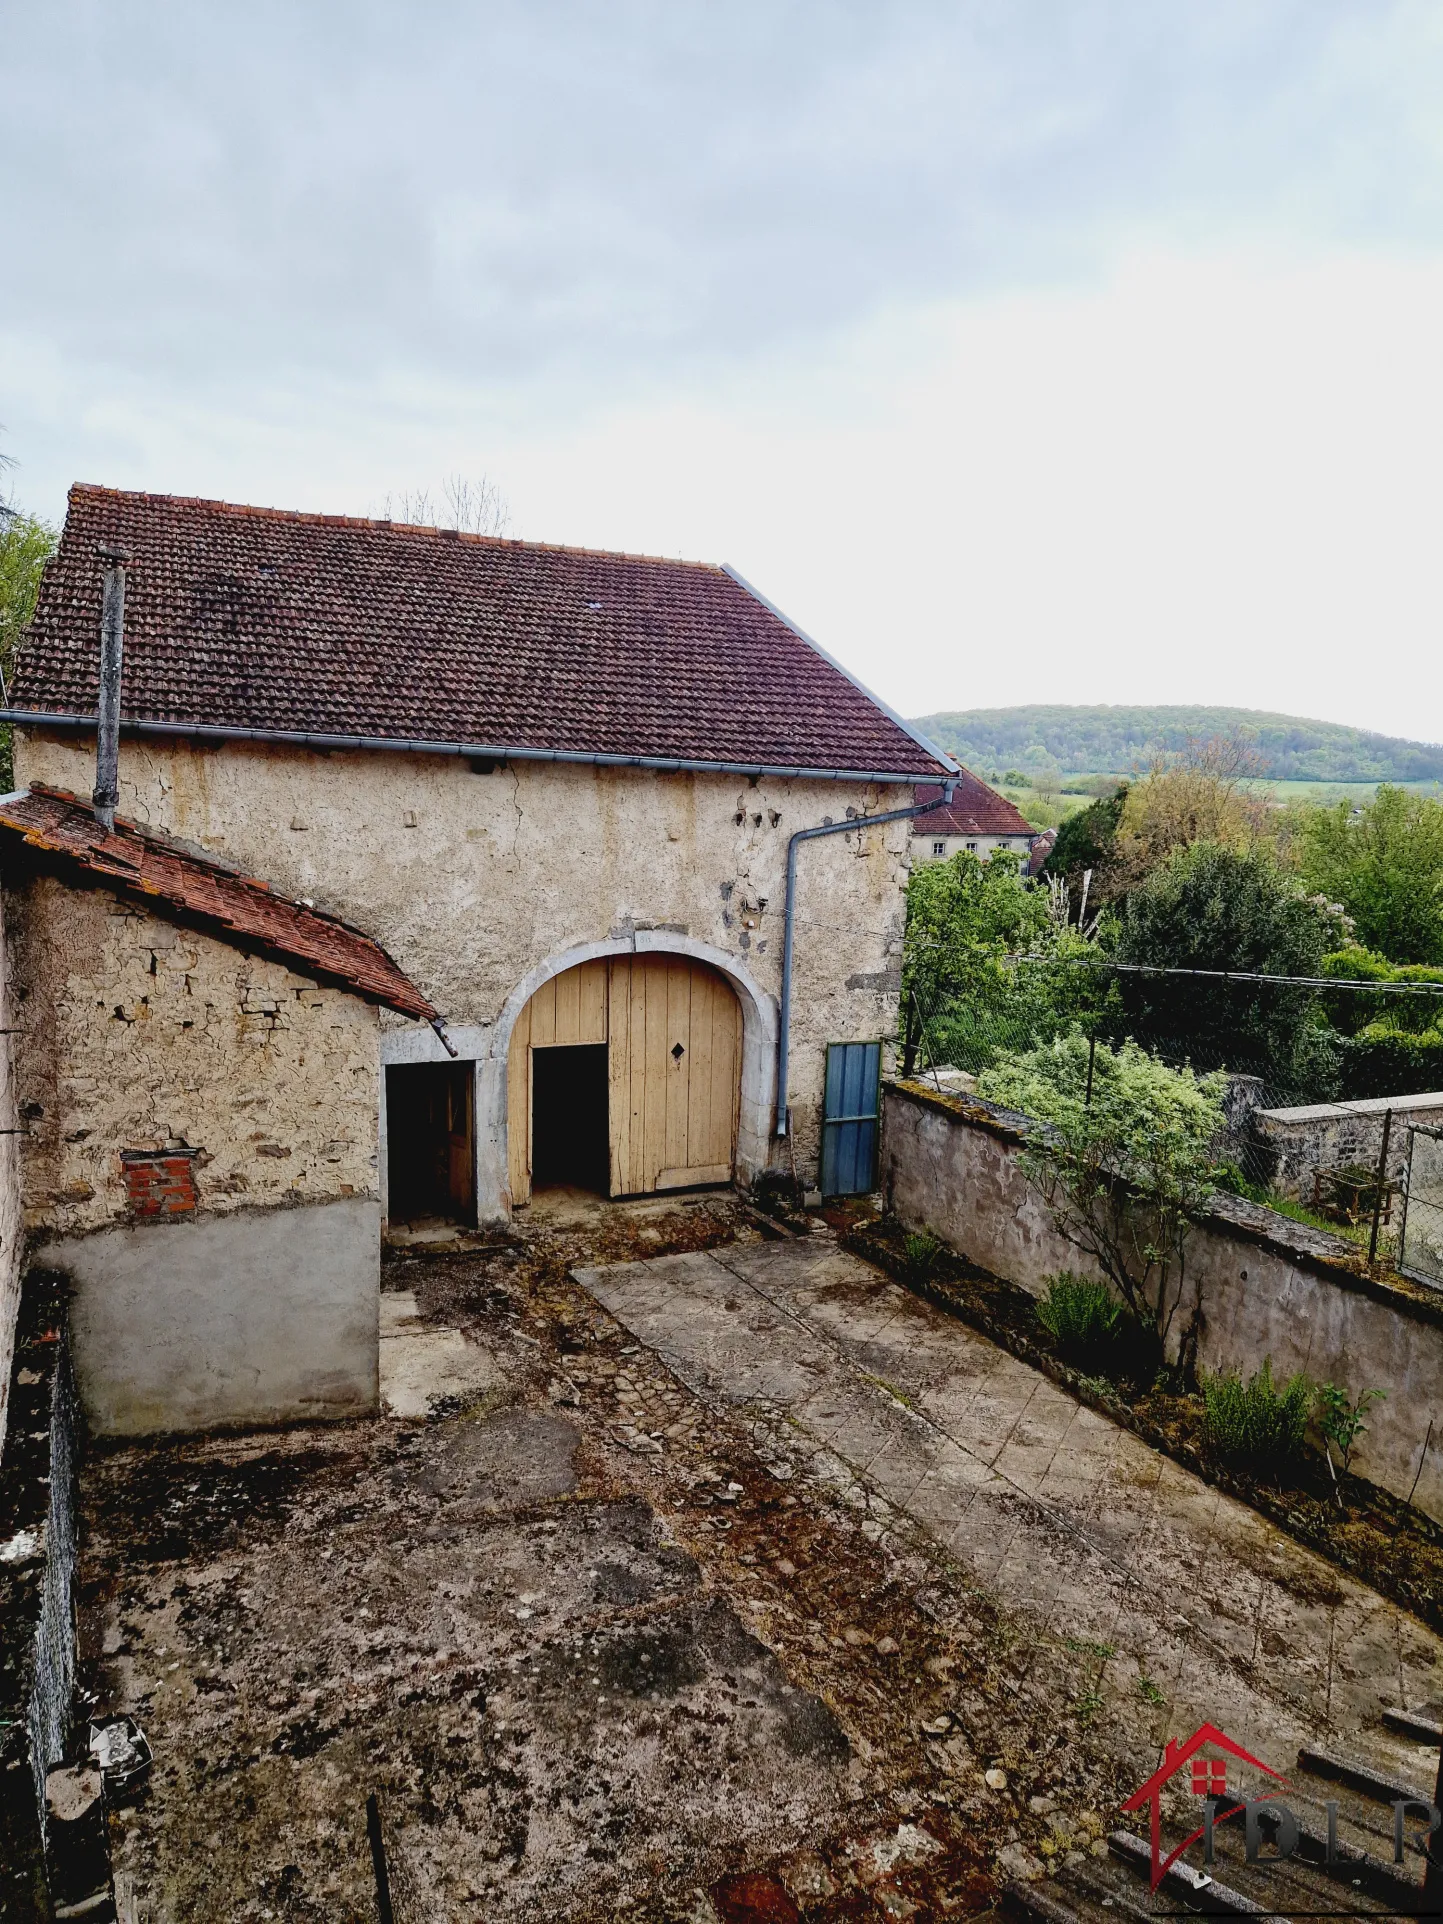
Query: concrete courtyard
x=689, y=1575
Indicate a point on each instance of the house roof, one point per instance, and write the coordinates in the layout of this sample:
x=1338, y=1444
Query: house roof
x=171, y=880
x=1042, y=847
x=975, y=809
x=320, y=626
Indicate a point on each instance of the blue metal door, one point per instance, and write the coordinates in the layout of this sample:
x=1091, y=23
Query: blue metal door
x=849, y=1118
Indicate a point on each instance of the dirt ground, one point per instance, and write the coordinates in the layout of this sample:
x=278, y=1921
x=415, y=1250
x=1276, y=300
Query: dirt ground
x=598, y=1649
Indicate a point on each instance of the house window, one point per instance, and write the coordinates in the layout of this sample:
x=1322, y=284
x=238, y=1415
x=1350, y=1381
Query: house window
x=939, y=848
x=971, y=848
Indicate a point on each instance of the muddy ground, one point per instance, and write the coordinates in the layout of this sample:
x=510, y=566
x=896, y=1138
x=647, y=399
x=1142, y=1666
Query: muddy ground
x=599, y=1649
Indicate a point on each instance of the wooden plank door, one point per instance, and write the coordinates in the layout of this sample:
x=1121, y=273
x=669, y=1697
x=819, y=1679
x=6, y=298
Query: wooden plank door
x=571, y=1008
x=460, y=1150
x=673, y=1074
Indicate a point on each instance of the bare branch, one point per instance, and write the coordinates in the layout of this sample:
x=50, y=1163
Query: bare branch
x=470, y=506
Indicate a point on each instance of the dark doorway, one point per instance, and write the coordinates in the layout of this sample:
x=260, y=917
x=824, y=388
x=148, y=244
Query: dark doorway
x=430, y=1156
x=568, y=1118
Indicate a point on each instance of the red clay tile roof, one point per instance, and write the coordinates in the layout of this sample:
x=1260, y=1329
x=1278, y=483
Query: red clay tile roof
x=1042, y=847
x=302, y=624
x=169, y=879
x=975, y=809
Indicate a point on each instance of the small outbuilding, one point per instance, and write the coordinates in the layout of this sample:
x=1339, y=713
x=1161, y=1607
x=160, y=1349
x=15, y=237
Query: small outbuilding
x=197, y=1087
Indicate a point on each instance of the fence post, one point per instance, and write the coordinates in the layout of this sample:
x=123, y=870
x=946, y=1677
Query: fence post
x=1378, y=1187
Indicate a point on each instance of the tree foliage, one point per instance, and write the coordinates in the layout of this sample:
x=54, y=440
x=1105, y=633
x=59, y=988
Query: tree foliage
x=965, y=998
x=1116, y=740
x=1384, y=862
x=1217, y=908
x=1124, y=1164
x=1088, y=839
x=26, y=544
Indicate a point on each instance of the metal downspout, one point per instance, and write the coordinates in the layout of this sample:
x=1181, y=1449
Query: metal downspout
x=789, y=934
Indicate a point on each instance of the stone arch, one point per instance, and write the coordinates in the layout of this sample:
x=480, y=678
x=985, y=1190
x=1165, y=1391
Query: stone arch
x=758, y=1066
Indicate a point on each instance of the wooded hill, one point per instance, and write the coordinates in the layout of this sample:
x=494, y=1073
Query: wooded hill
x=1117, y=741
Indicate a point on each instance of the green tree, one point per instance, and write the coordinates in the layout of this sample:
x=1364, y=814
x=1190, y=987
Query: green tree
x=1215, y=908
x=1125, y=1162
x=26, y=544
x=1088, y=839
x=964, y=917
x=1384, y=863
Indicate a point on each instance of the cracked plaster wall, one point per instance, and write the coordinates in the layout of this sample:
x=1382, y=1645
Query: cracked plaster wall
x=473, y=880
x=143, y=1035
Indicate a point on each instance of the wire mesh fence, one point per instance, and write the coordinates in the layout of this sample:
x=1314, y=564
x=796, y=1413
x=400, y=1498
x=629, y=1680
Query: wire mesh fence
x=1420, y=1242
x=1262, y=1046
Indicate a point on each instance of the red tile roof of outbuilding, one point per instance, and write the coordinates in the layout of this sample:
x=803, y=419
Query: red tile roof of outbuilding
x=320, y=625
x=975, y=809
x=170, y=879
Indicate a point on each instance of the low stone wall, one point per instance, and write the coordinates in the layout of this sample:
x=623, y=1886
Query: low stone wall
x=1334, y=1135
x=1269, y=1287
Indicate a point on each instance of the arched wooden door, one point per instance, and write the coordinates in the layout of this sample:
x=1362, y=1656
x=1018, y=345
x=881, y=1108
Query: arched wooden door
x=673, y=1035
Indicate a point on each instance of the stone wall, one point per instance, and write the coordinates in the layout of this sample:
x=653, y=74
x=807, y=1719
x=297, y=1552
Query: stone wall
x=475, y=881
x=12, y=1233
x=142, y=1037
x=1268, y=1287
x=1335, y=1135
x=200, y=1163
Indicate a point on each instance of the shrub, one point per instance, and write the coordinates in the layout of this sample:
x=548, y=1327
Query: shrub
x=921, y=1252
x=1079, y=1313
x=1255, y=1424
x=1122, y=1173
x=1340, y=1417
x=1389, y=1061
x=1211, y=907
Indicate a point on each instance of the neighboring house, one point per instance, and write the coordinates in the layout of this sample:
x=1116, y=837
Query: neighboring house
x=558, y=786
x=1042, y=847
x=976, y=819
x=198, y=1084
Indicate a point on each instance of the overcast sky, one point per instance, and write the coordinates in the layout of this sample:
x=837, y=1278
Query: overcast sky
x=1049, y=350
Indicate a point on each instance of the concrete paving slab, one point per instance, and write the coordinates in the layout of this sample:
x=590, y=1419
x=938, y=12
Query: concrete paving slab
x=421, y=1365
x=1100, y=1542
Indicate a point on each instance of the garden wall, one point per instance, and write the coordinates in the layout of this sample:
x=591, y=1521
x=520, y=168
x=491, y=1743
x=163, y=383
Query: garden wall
x=1333, y=1135
x=1269, y=1287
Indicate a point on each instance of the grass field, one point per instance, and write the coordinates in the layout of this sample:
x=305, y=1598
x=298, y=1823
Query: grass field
x=1052, y=805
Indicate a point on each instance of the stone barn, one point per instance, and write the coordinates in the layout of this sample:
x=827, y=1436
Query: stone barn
x=558, y=786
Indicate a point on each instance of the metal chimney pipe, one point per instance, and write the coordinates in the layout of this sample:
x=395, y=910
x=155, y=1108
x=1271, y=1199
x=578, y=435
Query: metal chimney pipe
x=112, y=649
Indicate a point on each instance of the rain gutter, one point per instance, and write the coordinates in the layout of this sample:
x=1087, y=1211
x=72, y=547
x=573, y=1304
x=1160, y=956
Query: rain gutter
x=485, y=751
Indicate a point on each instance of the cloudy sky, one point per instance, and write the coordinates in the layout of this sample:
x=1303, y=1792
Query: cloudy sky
x=1070, y=350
